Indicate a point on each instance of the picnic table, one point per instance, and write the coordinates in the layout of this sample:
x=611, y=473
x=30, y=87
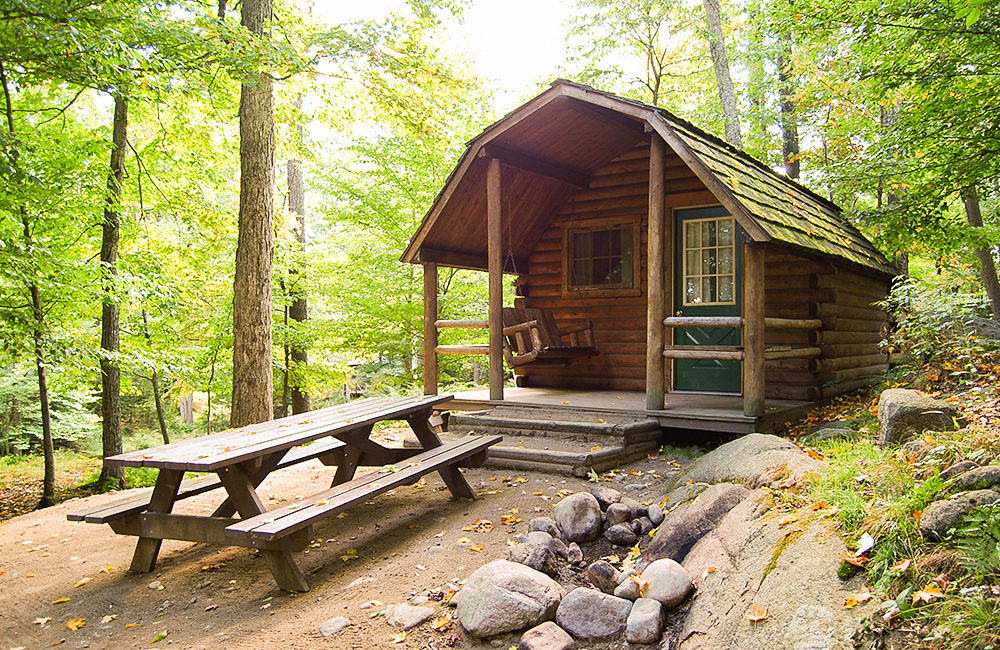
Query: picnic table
x=242, y=458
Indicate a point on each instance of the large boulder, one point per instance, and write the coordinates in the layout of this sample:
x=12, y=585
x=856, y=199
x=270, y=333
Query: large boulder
x=505, y=596
x=941, y=516
x=902, y=412
x=753, y=460
x=578, y=517
x=591, y=615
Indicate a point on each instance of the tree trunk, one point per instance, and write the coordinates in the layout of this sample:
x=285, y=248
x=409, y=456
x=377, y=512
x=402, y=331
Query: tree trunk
x=156, y=386
x=789, y=119
x=987, y=268
x=253, y=381
x=298, y=310
x=112, y=478
x=38, y=333
x=724, y=81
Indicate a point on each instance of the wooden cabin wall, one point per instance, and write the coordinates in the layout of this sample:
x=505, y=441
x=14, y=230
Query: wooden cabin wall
x=620, y=188
x=796, y=287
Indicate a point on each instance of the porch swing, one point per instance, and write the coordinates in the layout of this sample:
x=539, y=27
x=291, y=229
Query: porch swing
x=532, y=336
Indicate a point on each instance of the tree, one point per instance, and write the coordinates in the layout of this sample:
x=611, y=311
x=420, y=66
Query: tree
x=252, y=373
x=723, y=78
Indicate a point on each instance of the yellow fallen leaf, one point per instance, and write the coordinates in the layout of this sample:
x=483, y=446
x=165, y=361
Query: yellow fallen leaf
x=787, y=519
x=108, y=618
x=31, y=575
x=928, y=594
x=350, y=554
x=515, y=511
x=61, y=600
x=595, y=448
x=441, y=622
x=711, y=568
x=75, y=624
x=478, y=548
x=131, y=625
x=82, y=582
x=398, y=637
x=862, y=596
x=160, y=636
x=756, y=614
x=106, y=569
x=42, y=620
x=463, y=540
x=819, y=505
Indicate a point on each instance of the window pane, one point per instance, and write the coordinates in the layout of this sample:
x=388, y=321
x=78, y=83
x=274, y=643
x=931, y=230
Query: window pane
x=693, y=292
x=725, y=260
x=725, y=232
x=708, y=261
x=725, y=288
x=693, y=232
x=601, y=270
x=708, y=233
x=600, y=239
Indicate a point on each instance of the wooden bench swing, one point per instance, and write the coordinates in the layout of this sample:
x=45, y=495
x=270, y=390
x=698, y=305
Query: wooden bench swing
x=532, y=336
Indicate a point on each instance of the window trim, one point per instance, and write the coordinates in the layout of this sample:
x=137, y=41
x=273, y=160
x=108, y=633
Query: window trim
x=632, y=222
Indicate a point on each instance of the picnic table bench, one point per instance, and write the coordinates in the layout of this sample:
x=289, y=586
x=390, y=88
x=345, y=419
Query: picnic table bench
x=242, y=458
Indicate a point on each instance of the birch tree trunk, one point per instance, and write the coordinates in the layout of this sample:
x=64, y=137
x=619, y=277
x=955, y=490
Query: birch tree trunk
x=789, y=117
x=724, y=80
x=253, y=380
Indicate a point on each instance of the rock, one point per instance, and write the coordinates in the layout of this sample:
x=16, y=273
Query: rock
x=538, y=538
x=363, y=580
x=645, y=622
x=635, y=487
x=628, y=589
x=544, y=525
x=574, y=554
x=645, y=526
x=831, y=431
x=753, y=460
x=655, y=514
x=334, y=625
x=505, y=596
x=605, y=496
x=618, y=513
x=578, y=517
x=692, y=521
x=902, y=411
x=591, y=615
x=958, y=468
x=547, y=636
x=603, y=576
x=559, y=547
x=625, y=574
x=636, y=509
x=979, y=478
x=538, y=557
x=668, y=582
x=407, y=616
x=621, y=535
x=941, y=516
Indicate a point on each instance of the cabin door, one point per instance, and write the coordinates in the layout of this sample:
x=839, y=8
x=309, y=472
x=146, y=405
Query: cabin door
x=708, y=283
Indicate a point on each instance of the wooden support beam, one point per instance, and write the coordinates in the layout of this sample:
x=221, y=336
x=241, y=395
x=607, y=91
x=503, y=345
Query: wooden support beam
x=655, y=303
x=463, y=349
x=463, y=324
x=520, y=161
x=430, y=329
x=466, y=260
x=494, y=231
x=704, y=321
x=753, y=330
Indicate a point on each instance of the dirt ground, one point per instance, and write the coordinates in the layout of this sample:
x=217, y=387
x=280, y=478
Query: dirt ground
x=55, y=573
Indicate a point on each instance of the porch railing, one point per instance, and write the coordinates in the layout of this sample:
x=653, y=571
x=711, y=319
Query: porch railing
x=472, y=348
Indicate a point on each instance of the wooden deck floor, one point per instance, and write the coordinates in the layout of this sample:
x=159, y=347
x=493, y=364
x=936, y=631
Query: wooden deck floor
x=714, y=413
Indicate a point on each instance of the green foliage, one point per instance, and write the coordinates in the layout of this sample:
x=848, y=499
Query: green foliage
x=978, y=543
x=74, y=423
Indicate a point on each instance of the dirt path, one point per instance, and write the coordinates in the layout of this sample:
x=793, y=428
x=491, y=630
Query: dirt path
x=201, y=596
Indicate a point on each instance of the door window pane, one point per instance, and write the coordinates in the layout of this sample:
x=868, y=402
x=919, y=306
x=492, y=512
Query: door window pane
x=709, y=261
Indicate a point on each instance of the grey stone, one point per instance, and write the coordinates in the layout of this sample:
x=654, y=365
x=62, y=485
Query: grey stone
x=505, y=596
x=545, y=525
x=574, y=554
x=559, y=547
x=621, y=535
x=902, y=412
x=645, y=622
x=625, y=574
x=578, y=517
x=645, y=526
x=668, y=582
x=979, y=478
x=628, y=589
x=603, y=576
x=636, y=509
x=832, y=431
x=538, y=557
x=958, y=468
x=655, y=514
x=618, y=513
x=605, y=496
x=692, y=521
x=538, y=538
x=941, y=516
x=591, y=615
x=334, y=625
x=635, y=487
x=754, y=460
x=407, y=616
x=547, y=636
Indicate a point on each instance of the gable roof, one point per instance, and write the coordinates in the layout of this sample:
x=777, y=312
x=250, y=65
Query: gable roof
x=570, y=130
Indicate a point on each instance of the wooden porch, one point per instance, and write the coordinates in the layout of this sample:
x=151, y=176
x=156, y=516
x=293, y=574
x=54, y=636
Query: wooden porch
x=690, y=411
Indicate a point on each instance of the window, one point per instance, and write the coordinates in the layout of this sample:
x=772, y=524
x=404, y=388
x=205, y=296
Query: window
x=601, y=258
x=709, y=261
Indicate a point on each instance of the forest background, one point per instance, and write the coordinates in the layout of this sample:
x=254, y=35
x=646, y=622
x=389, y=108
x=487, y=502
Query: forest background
x=133, y=129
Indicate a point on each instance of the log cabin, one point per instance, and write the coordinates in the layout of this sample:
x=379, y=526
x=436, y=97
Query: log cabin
x=700, y=270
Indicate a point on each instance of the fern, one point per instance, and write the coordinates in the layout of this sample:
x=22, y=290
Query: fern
x=978, y=541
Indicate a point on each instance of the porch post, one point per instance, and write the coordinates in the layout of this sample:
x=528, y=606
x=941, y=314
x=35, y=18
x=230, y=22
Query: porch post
x=430, y=329
x=494, y=232
x=655, y=305
x=753, y=330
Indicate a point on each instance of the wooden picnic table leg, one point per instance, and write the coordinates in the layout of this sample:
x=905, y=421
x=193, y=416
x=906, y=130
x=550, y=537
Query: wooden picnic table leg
x=350, y=456
x=244, y=495
x=168, y=482
x=227, y=508
x=450, y=474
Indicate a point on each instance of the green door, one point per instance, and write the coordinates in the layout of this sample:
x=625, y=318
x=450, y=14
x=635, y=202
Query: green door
x=708, y=283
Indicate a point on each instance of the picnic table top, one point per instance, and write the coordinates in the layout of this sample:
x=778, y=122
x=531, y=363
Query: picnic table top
x=212, y=452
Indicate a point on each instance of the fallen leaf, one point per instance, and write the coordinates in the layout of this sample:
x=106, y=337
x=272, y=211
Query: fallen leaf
x=441, y=622
x=595, y=448
x=42, y=620
x=64, y=599
x=463, y=540
x=160, y=636
x=398, y=637
x=137, y=625
x=865, y=544
x=82, y=582
x=815, y=455
x=756, y=614
x=787, y=519
x=106, y=569
x=478, y=548
x=858, y=598
x=819, y=505
x=350, y=554
x=788, y=482
x=902, y=565
x=75, y=624
x=851, y=558
x=927, y=594
x=108, y=618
